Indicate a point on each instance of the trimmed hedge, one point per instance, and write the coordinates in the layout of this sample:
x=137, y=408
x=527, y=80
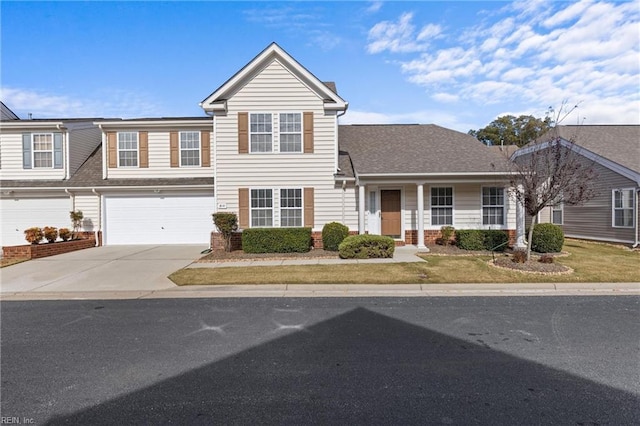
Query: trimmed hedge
x=481, y=239
x=366, y=247
x=276, y=240
x=333, y=234
x=547, y=238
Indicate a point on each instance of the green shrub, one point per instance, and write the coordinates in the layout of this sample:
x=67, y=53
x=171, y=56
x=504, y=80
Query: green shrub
x=547, y=238
x=333, y=234
x=276, y=240
x=366, y=247
x=494, y=238
x=446, y=232
x=481, y=239
x=470, y=239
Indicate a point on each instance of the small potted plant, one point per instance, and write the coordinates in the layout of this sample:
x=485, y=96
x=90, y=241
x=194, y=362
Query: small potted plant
x=64, y=233
x=33, y=235
x=50, y=233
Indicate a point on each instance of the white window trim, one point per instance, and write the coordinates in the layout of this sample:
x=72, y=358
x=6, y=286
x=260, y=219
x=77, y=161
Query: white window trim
x=301, y=208
x=180, y=149
x=503, y=225
x=301, y=115
x=137, y=150
x=273, y=134
x=273, y=217
x=453, y=207
x=613, y=207
x=33, y=150
x=558, y=207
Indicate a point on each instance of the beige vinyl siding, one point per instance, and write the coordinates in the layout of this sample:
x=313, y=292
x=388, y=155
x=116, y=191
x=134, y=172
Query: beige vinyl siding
x=88, y=203
x=11, y=157
x=467, y=207
x=159, y=154
x=276, y=90
x=593, y=220
x=84, y=138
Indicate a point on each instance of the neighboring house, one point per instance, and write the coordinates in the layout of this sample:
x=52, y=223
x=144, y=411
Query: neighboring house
x=269, y=149
x=614, y=153
x=6, y=113
x=37, y=160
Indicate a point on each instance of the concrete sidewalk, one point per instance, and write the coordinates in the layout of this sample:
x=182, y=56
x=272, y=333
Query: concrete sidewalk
x=343, y=290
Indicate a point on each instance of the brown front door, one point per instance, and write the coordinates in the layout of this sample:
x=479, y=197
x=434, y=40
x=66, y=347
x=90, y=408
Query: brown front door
x=390, y=213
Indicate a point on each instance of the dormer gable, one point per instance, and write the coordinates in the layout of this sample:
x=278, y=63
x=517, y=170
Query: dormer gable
x=217, y=101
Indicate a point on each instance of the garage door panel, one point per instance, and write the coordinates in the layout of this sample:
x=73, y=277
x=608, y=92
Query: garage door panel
x=16, y=215
x=159, y=220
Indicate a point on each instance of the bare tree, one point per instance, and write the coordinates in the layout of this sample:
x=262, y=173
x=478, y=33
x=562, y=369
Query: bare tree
x=550, y=170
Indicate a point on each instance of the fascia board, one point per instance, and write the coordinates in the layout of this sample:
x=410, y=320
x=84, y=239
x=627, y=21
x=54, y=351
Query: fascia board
x=153, y=124
x=38, y=125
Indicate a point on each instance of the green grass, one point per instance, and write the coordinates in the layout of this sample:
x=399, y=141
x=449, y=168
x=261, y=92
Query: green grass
x=591, y=262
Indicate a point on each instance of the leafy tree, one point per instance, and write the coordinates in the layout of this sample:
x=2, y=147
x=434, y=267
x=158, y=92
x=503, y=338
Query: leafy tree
x=76, y=217
x=550, y=170
x=511, y=130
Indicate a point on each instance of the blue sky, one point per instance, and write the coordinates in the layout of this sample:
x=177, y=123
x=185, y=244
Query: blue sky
x=455, y=64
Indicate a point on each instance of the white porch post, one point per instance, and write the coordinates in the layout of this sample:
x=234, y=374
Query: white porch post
x=361, y=208
x=520, y=223
x=421, y=246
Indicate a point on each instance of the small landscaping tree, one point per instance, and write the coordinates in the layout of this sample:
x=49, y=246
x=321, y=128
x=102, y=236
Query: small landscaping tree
x=551, y=170
x=227, y=224
x=76, y=217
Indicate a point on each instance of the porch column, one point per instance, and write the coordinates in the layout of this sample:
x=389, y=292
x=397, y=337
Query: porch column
x=361, y=209
x=421, y=245
x=520, y=224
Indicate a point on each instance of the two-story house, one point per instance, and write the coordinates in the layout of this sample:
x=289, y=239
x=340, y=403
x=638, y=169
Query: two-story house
x=270, y=148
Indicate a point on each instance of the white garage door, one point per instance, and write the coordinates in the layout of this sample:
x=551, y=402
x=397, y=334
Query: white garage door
x=158, y=220
x=19, y=214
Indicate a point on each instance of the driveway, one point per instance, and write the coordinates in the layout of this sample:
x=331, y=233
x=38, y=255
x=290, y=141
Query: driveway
x=110, y=268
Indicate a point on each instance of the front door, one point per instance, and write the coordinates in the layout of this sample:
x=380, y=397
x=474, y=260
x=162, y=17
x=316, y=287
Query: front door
x=390, y=213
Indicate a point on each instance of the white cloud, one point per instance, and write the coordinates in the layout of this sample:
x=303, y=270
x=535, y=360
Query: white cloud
x=527, y=55
x=105, y=103
x=400, y=36
x=374, y=7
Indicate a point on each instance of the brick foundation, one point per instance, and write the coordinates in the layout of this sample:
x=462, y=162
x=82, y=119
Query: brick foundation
x=431, y=235
x=217, y=242
x=36, y=251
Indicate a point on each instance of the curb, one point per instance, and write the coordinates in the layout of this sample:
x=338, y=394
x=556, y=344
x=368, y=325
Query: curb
x=339, y=290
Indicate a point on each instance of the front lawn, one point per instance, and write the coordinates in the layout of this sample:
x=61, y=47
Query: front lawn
x=591, y=262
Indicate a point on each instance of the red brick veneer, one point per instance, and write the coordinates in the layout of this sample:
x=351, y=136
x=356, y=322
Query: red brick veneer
x=35, y=251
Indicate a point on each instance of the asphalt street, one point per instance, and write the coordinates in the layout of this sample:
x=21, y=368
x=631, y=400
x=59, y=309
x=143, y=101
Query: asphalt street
x=462, y=360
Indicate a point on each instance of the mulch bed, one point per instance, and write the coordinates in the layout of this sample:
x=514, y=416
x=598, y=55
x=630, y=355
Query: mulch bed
x=531, y=267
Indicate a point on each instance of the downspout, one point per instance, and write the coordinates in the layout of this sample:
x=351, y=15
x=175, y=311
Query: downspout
x=67, y=151
x=105, y=152
x=73, y=199
x=337, y=149
x=97, y=231
x=635, y=219
x=344, y=190
x=215, y=170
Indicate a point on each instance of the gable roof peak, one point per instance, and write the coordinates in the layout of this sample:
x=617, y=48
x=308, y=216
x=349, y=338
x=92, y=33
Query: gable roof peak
x=217, y=100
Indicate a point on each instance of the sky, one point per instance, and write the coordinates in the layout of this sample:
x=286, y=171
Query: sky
x=457, y=64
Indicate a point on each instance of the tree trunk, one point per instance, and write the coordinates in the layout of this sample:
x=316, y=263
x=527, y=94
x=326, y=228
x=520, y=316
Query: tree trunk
x=534, y=219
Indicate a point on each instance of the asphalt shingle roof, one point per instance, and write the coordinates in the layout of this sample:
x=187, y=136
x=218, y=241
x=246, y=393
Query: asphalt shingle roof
x=618, y=143
x=416, y=149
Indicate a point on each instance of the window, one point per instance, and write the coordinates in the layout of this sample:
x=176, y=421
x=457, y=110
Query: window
x=557, y=213
x=128, y=149
x=261, y=133
x=492, y=206
x=42, y=150
x=442, y=206
x=189, y=148
x=291, y=207
x=261, y=208
x=623, y=208
x=291, y=132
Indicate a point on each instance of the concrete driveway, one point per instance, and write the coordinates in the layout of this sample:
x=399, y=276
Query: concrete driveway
x=110, y=268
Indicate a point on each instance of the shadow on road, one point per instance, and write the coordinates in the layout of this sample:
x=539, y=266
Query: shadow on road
x=329, y=374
